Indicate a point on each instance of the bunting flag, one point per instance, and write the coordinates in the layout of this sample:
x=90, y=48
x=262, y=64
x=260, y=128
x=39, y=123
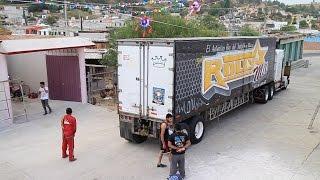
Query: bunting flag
x=194, y=7
x=145, y=24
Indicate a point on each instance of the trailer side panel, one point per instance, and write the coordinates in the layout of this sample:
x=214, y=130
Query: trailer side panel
x=210, y=72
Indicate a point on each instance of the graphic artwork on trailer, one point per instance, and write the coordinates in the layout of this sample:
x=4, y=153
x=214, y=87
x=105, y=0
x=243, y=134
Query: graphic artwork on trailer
x=178, y=141
x=159, y=61
x=158, y=96
x=228, y=70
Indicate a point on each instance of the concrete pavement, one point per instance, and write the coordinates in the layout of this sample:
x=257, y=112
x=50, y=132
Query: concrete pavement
x=257, y=141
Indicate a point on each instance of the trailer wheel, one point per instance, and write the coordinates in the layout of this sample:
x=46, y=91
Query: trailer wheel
x=185, y=128
x=262, y=94
x=271, y=91
x=197, y=129
x=138, y=139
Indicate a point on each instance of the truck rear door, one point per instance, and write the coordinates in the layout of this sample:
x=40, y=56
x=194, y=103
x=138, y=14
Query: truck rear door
x=145, y=76
x=129, y=75
x=160, y=76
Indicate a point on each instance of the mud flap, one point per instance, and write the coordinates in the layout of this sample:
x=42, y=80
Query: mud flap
x=125, y=130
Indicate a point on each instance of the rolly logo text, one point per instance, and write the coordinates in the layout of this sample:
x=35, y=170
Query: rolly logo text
x=223, y=72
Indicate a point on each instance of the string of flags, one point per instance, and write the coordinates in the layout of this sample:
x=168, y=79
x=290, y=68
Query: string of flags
x=146, y=26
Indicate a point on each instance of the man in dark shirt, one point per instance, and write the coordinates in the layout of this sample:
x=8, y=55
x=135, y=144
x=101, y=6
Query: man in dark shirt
x=178, y=142
x=165, y=131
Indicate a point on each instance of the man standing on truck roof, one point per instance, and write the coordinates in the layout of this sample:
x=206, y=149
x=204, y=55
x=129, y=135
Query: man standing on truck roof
x=165, y=131
x=178, y=143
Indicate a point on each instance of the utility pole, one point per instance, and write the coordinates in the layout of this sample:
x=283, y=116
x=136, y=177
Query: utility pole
x=233, y=22
x=24, y=16
x=65, y=13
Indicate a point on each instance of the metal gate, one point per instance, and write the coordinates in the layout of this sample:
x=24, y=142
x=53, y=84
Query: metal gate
x=4, y=102
x=64, y=78
x=19, y=92
x=102, y=87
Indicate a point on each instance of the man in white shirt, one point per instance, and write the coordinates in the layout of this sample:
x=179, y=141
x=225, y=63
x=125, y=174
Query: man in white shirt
x=44, y=97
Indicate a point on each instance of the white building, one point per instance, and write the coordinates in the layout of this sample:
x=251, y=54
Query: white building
x=14, y=14
x=59, y=62
x=275, y=25
x=100, y=40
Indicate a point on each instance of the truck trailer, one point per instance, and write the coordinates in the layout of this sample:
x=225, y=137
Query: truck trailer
x=195, y=79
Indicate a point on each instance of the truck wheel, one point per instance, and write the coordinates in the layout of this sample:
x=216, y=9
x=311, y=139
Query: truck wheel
x=262, y=94
x=138, y=139
x=197, y=130
x=185, y=128
x=271, y=91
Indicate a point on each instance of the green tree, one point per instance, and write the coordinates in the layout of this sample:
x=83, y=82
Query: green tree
x=211, y=22
x=288, y=28
x=303, y=24
x=163, y=26
x=227, y=4
x=41, y=6
x=51, y=20
x=314, y=24
x=215, y=9
x=248, y=31
x=4, y=31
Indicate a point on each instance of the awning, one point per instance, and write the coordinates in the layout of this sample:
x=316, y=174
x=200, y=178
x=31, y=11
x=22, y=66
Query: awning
x=19, y=46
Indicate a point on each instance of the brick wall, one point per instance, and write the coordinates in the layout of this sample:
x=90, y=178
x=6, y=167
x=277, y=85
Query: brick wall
x=311, y=46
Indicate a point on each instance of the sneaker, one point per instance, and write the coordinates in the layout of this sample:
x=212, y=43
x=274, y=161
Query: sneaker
x=74, y=159
x=45, y=114
x=161, y=165
x=65, y=156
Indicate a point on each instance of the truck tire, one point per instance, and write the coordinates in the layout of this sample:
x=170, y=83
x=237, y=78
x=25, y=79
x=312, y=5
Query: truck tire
x=138, y=139
x=262, y=94
x=197, y=129
x=271, y=91
x=185, y=128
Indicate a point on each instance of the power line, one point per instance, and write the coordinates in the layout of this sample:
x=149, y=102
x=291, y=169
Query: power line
x=64, y=3
x=52, y=2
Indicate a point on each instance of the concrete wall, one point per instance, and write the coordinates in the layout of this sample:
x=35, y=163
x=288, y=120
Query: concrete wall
x=29, y=67
x=311, y=46
x=5, y=101
x=83, y=81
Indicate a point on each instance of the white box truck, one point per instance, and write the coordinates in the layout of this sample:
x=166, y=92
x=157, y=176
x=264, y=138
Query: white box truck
x=195, y=79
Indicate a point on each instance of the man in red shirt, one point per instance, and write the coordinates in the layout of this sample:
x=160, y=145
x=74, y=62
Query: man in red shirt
x=69, y=128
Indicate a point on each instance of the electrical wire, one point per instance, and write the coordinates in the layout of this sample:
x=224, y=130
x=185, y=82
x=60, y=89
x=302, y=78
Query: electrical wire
x=85, y=5
x=103, y=4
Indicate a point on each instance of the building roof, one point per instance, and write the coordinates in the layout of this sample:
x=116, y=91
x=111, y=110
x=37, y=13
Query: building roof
x=285, y=38
x=38, y=27
x=24, y=37
x=95, y=53
x=21, y=45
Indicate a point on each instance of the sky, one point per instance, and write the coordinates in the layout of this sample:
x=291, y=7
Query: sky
x=297, y=1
